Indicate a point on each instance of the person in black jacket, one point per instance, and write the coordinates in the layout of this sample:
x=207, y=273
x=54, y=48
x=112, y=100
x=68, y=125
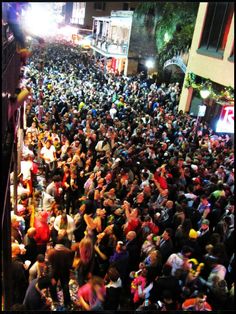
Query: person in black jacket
x=60, y=260
x=113, y=289
x=19, y=278
x=30, y=245
x=163, y=283
x=165, y=244
x=133, y=248
x=15, y=230
x=120, y=259
x=35, y=298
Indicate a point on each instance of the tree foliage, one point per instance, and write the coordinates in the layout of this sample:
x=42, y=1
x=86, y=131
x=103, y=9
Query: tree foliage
x=176, y=19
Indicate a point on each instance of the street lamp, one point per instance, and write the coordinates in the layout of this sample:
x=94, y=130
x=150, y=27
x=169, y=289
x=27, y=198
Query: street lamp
x=204, y=93
x=149, y=64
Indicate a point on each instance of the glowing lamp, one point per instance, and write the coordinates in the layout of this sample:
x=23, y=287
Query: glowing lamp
x=204, y=93
x=149, y=64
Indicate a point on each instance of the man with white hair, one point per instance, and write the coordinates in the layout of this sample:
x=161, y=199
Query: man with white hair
x=15, y=228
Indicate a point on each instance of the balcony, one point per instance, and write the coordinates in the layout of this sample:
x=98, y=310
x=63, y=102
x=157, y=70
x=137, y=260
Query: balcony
x=8, y=46
x=110, y=48
x=10, y=78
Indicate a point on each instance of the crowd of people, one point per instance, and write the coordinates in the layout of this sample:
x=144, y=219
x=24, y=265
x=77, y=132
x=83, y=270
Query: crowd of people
x=124, y=202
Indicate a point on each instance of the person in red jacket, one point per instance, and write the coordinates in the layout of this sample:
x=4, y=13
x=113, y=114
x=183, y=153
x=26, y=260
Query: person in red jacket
x=42, y=235
x=197, y=304
x=159, y=177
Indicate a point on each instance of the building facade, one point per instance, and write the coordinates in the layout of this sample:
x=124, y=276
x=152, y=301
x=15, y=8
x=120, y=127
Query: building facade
x=211, y=57
x=122, y=41
x=11, y=122
x=82, y=12
x=111, y=37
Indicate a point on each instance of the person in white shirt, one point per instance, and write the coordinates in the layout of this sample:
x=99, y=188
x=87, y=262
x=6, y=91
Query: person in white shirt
x=48, y=154
x=32, y=129
x=113, y=111
x=48, y=201
x=145, y=180
x=25, y=149
x=26, y=167
x=103, y=146
x=179, y=260
x=191, y=197
x=21, y=189
x=65, y=222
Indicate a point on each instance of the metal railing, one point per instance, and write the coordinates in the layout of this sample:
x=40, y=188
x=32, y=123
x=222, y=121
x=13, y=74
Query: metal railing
x=8, y=45
x=177, y=60
x=110, y=47
x=8, y=51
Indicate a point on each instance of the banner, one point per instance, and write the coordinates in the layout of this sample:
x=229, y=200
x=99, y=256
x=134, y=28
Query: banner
x=113, y=64
x=225, y=123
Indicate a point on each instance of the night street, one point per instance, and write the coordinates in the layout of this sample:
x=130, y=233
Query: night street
x=117, y=156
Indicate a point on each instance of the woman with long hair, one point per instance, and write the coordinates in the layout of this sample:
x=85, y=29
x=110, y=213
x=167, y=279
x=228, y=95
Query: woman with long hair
x=84, y=260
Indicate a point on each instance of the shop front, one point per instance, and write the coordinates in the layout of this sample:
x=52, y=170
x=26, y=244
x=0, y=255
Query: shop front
x=116, y=65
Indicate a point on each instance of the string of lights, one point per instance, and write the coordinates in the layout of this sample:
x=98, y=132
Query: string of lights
x=226, y=94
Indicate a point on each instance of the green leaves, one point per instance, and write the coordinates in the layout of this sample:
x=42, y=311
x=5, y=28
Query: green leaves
x=177, y=19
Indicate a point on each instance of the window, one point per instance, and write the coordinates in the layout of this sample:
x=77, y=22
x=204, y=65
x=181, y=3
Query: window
x=125, y=6
x=231, y=57
x=217, y=24
x=78, y=13
x=100, y=6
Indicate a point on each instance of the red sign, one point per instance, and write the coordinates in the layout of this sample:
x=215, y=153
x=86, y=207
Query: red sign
x=225, y=123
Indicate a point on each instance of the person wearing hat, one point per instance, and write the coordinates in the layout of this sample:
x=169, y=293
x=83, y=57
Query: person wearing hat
x=192, y=242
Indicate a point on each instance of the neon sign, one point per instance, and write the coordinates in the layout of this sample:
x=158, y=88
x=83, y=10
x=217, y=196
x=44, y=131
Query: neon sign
x=225, y=123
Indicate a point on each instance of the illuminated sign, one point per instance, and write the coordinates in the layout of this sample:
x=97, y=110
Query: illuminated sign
x=225, y=123
x=202, y=110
